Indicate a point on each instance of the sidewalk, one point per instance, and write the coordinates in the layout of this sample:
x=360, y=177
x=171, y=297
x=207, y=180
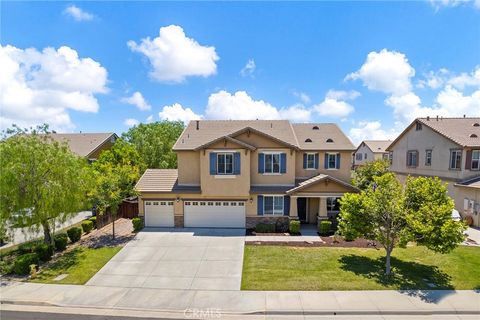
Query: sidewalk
x=292, y=303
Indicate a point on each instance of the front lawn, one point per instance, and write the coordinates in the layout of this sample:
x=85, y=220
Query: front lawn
x=314, y=268
x=79, y=265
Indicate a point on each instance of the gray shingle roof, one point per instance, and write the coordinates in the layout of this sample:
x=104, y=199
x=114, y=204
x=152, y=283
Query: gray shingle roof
x=82, y=144
x=319, y=137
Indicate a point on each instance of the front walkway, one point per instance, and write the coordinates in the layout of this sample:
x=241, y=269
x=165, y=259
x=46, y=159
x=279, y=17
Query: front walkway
x=474, y=234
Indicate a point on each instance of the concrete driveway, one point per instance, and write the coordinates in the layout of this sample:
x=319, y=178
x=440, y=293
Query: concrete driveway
x=164, y=258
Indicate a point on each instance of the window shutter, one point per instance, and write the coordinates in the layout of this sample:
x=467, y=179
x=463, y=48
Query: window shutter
x=468, y=160
x=283, y=162
x=337, y=164
x=236, y=163
x=316, y=160
x=304, y=161
x=286, y=205
x=213, y=163
x=325, y=164
x=260, y=205
x=261, y=163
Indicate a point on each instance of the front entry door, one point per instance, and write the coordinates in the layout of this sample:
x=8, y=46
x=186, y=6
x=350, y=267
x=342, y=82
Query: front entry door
x=302, y=209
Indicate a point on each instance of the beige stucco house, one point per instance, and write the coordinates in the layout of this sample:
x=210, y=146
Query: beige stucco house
x=370, y=150
x=448, y=148
x=86, y=145
x=235, y=173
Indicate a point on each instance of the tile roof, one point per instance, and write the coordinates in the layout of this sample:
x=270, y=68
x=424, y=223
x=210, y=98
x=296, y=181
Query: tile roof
x=163, y=180
x=471, y=182
x=82, y=144
x=293, y=135
x=377, y=146
x=303, y=184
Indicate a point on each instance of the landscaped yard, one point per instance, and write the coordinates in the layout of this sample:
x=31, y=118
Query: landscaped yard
x=79, y=265
x=314, y=268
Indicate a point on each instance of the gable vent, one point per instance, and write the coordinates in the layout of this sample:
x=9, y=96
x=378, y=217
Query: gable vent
x=315, y=128
x=476, y=124
x=308, y=140
x=329, y=140
x=473, y=135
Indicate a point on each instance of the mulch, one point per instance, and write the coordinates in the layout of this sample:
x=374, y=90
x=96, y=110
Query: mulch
x=327, y=242
x=103, y=237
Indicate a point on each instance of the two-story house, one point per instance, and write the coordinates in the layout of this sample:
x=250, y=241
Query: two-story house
x=448, y=148
x=370, y=150
x=236, y=173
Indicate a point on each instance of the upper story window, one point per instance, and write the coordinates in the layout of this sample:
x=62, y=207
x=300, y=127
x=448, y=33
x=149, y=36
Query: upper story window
x=455, y=159
x=272, y=163
x=365, y=156
x=359, y=156
x=385, y=156
x=418, y=126
x=412, y=159
x=310, y=161
x=224, y=163
x=390, y=157
x=331, y=161
x=273, y=205
x=475, y=160
x=428, y=157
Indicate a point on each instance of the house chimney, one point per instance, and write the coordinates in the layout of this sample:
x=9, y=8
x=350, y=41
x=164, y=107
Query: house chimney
x=464, y=115
x=437, y=117
x=428, y=118
x=198, y=124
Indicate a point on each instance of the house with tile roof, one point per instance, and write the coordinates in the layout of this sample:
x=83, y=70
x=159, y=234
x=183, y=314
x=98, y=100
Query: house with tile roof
x=448, y=148
x=86, y=145
x=370, y=150
x=235, y=173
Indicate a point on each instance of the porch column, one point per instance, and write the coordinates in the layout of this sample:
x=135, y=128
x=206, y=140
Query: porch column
x=322, y=208
x=293, y=208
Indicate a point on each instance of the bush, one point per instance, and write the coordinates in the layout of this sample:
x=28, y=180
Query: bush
x=94, y=220
x=61, y=241
x=295, y=227
x=74, y=234
x=44, y=251
x=27, y=247
x=87, y=226
x=349, y=236
x=22, y=264
x=265, y=228
x=137, y=224
x=324, y=227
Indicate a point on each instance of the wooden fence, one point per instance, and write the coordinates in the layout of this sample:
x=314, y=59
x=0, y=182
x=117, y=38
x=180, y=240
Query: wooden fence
x=128, y=209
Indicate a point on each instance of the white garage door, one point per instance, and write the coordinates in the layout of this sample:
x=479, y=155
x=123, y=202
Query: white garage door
x=214, y=214
x=159, y=214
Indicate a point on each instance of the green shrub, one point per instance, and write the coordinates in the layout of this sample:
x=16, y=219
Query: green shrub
x=349, y=236
x=61, y=241
x=94, y=220
x=324, y=227
x=265, y=228
x=87, y=226
x=44, y=251
x=22, y=264
x=295, y=227
x=137, y=224
x=27, y=247
x=74, y=234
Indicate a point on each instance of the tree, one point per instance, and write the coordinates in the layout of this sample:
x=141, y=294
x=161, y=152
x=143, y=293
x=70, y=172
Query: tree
x=42, y=181
x=115, y=174
x=393, y=215
x=363, y=175
x=154, y=142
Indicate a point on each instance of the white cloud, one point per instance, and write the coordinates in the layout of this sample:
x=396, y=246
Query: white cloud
x=176, y=112
x=131, y=122
x=452, y=102
x=40, y=87
x=434, y=80
x=248, y=69
x=466, y=79
x=77, y=13
x=296, y=113
x=342, y=95
x=386, y=71
x=437, y=4
x=149, y=119
x=174, y=56
x=371, y=131
x=305, y=98
x=334, y=105
x=137, y=100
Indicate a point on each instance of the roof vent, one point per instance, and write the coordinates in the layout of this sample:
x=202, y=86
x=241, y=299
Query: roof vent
x=476, y=124
x=308, y=140
x=315, y=128
x=329, y=140
x=198, y=124
x=473, y=135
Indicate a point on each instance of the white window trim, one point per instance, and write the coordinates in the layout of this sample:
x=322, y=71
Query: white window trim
x=283, y=204
x=471, y=164
x=328, y=161
x=279, y=163
x=233, y=164
x=431, y=156
x=311, y=154
x=450, y=159
x=416, y=158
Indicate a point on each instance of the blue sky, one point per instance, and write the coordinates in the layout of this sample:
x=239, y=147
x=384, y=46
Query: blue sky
x=371, y=67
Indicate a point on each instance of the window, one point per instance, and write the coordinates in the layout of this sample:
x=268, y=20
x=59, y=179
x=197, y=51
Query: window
x=475, y=160
x=331, y=160
x=412, y=158
x=418, y=126
x=359, y=156
x=273, y=205
x=455, y=159
x=310, y=160
x=329, y=140
x=365, y=156
x=148, y=203
x=385, y=156
x=308, y=140
x=163, y=203
x=241, y=204
x=225, y=204
x=155, y=203
x=272, y=163
x=210, y=203
x=225, y=163
x=170, y=203
x=390, y=157
x=428, y=157
x=333, y=204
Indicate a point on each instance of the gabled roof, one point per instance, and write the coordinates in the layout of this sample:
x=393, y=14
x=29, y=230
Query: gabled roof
x=462, y=131
x=162, y=180
x=318, y=178
x=376, y=146
x=228, y=138
x=319, y=133
x=83, y=144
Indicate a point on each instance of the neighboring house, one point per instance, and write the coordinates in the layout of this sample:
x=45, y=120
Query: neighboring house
x=237, y=173
x=448, y=148
x=467, y=199
x=370, y=150
x=87, y=145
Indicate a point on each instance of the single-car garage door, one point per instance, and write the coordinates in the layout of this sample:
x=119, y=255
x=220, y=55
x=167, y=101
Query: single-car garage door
x=214, y=214
x=159, y=214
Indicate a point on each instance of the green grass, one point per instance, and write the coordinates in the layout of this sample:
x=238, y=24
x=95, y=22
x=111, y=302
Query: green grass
x=308, y=268
x=80, y=264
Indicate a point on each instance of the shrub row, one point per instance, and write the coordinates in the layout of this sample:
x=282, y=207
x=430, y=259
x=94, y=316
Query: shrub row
x=324, y=227
x=137, y=224
x=22, y=264
x=74, y=234
x=265, y=228
x=87, y=226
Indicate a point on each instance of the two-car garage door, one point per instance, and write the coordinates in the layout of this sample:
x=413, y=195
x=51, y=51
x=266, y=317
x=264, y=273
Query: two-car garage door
x=159, y=214
x=214, y=214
